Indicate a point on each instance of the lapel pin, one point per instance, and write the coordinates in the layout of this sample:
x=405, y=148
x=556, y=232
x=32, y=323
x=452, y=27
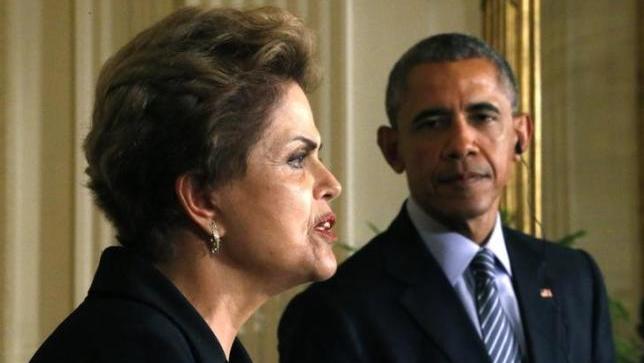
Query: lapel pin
x=545, y=293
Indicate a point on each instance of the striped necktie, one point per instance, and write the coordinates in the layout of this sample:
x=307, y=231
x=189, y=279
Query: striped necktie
x=497, y=332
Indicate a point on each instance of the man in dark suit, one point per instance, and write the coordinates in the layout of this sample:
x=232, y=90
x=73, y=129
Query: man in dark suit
x=446, y=282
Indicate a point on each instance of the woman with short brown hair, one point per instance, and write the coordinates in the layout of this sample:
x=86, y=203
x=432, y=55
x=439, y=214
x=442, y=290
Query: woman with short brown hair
x=203, y=154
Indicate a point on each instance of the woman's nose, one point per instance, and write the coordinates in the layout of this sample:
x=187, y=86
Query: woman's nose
x=328, y=187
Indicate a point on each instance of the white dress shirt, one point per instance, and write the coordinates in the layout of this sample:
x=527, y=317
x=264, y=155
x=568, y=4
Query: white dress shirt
x=454, y=252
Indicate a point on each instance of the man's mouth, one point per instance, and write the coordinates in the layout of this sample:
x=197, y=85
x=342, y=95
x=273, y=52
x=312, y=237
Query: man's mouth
x=463, y=179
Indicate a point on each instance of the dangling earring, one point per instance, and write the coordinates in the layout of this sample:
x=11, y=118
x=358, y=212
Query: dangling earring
x=214, y=238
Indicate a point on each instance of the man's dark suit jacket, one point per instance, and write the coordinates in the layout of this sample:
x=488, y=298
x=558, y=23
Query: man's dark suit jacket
x=134, y=314
x=391, y=302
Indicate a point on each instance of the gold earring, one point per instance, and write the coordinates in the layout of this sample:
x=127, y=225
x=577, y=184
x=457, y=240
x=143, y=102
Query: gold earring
x=214, y=238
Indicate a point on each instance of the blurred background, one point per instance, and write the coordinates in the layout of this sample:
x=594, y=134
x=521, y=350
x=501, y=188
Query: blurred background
x=581, y=64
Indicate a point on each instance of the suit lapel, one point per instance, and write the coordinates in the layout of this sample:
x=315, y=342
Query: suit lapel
x=430, y=299
x=537, y=299
x=441, y=315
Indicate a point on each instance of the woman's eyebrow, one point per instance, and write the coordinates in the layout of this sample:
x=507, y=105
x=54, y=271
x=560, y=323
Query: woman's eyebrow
x=310, y=144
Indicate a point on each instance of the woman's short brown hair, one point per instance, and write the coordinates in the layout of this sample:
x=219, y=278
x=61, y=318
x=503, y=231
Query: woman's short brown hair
x=191, y=94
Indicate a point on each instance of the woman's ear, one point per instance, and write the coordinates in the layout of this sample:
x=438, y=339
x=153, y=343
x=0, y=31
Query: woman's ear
x=195, y=200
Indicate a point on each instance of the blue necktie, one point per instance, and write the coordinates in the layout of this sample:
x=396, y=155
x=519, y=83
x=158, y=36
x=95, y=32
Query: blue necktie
x=497, y=332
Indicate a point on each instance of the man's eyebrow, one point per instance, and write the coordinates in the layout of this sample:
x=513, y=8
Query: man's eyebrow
x=482, y=106
x=429, y=113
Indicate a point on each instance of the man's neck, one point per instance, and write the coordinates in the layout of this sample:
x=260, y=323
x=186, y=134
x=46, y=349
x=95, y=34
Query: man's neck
x=477, y=229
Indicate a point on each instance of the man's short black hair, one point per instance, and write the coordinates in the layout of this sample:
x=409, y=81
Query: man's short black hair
x=448, y=47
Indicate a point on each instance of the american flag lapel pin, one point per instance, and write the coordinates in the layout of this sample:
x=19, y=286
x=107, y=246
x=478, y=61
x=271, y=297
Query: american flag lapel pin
x=545, y=293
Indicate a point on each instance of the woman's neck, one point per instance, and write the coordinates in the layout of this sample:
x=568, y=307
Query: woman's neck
x=222, y=295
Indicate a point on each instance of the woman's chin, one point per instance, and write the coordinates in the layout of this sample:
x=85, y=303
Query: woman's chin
x=325, y=268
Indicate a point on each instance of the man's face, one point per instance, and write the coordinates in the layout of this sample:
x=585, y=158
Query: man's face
x=455, y=138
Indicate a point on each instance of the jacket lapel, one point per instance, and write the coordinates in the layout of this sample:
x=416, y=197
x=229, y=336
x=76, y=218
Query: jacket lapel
x=537, y=299
x=429, y=297
x=442, y=316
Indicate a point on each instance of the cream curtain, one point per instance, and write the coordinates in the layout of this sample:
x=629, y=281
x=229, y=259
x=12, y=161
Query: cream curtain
x=513, y=28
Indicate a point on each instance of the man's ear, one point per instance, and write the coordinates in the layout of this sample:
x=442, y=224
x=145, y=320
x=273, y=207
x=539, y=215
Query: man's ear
x=523, y=128
x=388, y=142
x=196, y=201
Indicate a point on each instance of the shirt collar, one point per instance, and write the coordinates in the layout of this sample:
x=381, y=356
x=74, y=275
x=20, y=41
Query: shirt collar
x=452, y=250
x=496, y=244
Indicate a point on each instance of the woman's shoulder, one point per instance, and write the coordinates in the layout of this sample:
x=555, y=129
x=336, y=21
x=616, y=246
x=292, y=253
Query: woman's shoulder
x=115, y=330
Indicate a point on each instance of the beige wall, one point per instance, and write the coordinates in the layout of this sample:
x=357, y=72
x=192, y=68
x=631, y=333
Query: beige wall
x=640, y=97
x=55, y=169
x=374, y=192
x=591, y=134
x=3, y=169
x=50, y=51
x=37, y=166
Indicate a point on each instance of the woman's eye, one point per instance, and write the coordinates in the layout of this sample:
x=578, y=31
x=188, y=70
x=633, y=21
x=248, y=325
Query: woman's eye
x=297, y=161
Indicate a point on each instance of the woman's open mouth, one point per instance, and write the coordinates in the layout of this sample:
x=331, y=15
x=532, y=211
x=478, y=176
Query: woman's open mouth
x=324, y=226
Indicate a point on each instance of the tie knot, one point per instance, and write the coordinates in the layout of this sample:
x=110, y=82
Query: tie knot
x=483, y=264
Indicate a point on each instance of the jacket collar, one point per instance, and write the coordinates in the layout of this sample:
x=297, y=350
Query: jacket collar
x=123, y=274
x=434, y=305
x=429, y=297
x=538, y=300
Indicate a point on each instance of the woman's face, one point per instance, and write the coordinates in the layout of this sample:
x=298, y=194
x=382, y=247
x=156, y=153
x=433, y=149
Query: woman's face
x=276, y=221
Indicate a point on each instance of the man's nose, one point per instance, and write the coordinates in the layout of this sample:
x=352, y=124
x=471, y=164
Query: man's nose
x=461, y=140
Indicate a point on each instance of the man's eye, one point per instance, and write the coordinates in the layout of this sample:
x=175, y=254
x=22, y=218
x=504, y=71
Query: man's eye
x=430, y=123
x=483, y=118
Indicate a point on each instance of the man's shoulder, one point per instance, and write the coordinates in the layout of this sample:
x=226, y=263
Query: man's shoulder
x=515, y=235
x=344, y=305
x=557, y=256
